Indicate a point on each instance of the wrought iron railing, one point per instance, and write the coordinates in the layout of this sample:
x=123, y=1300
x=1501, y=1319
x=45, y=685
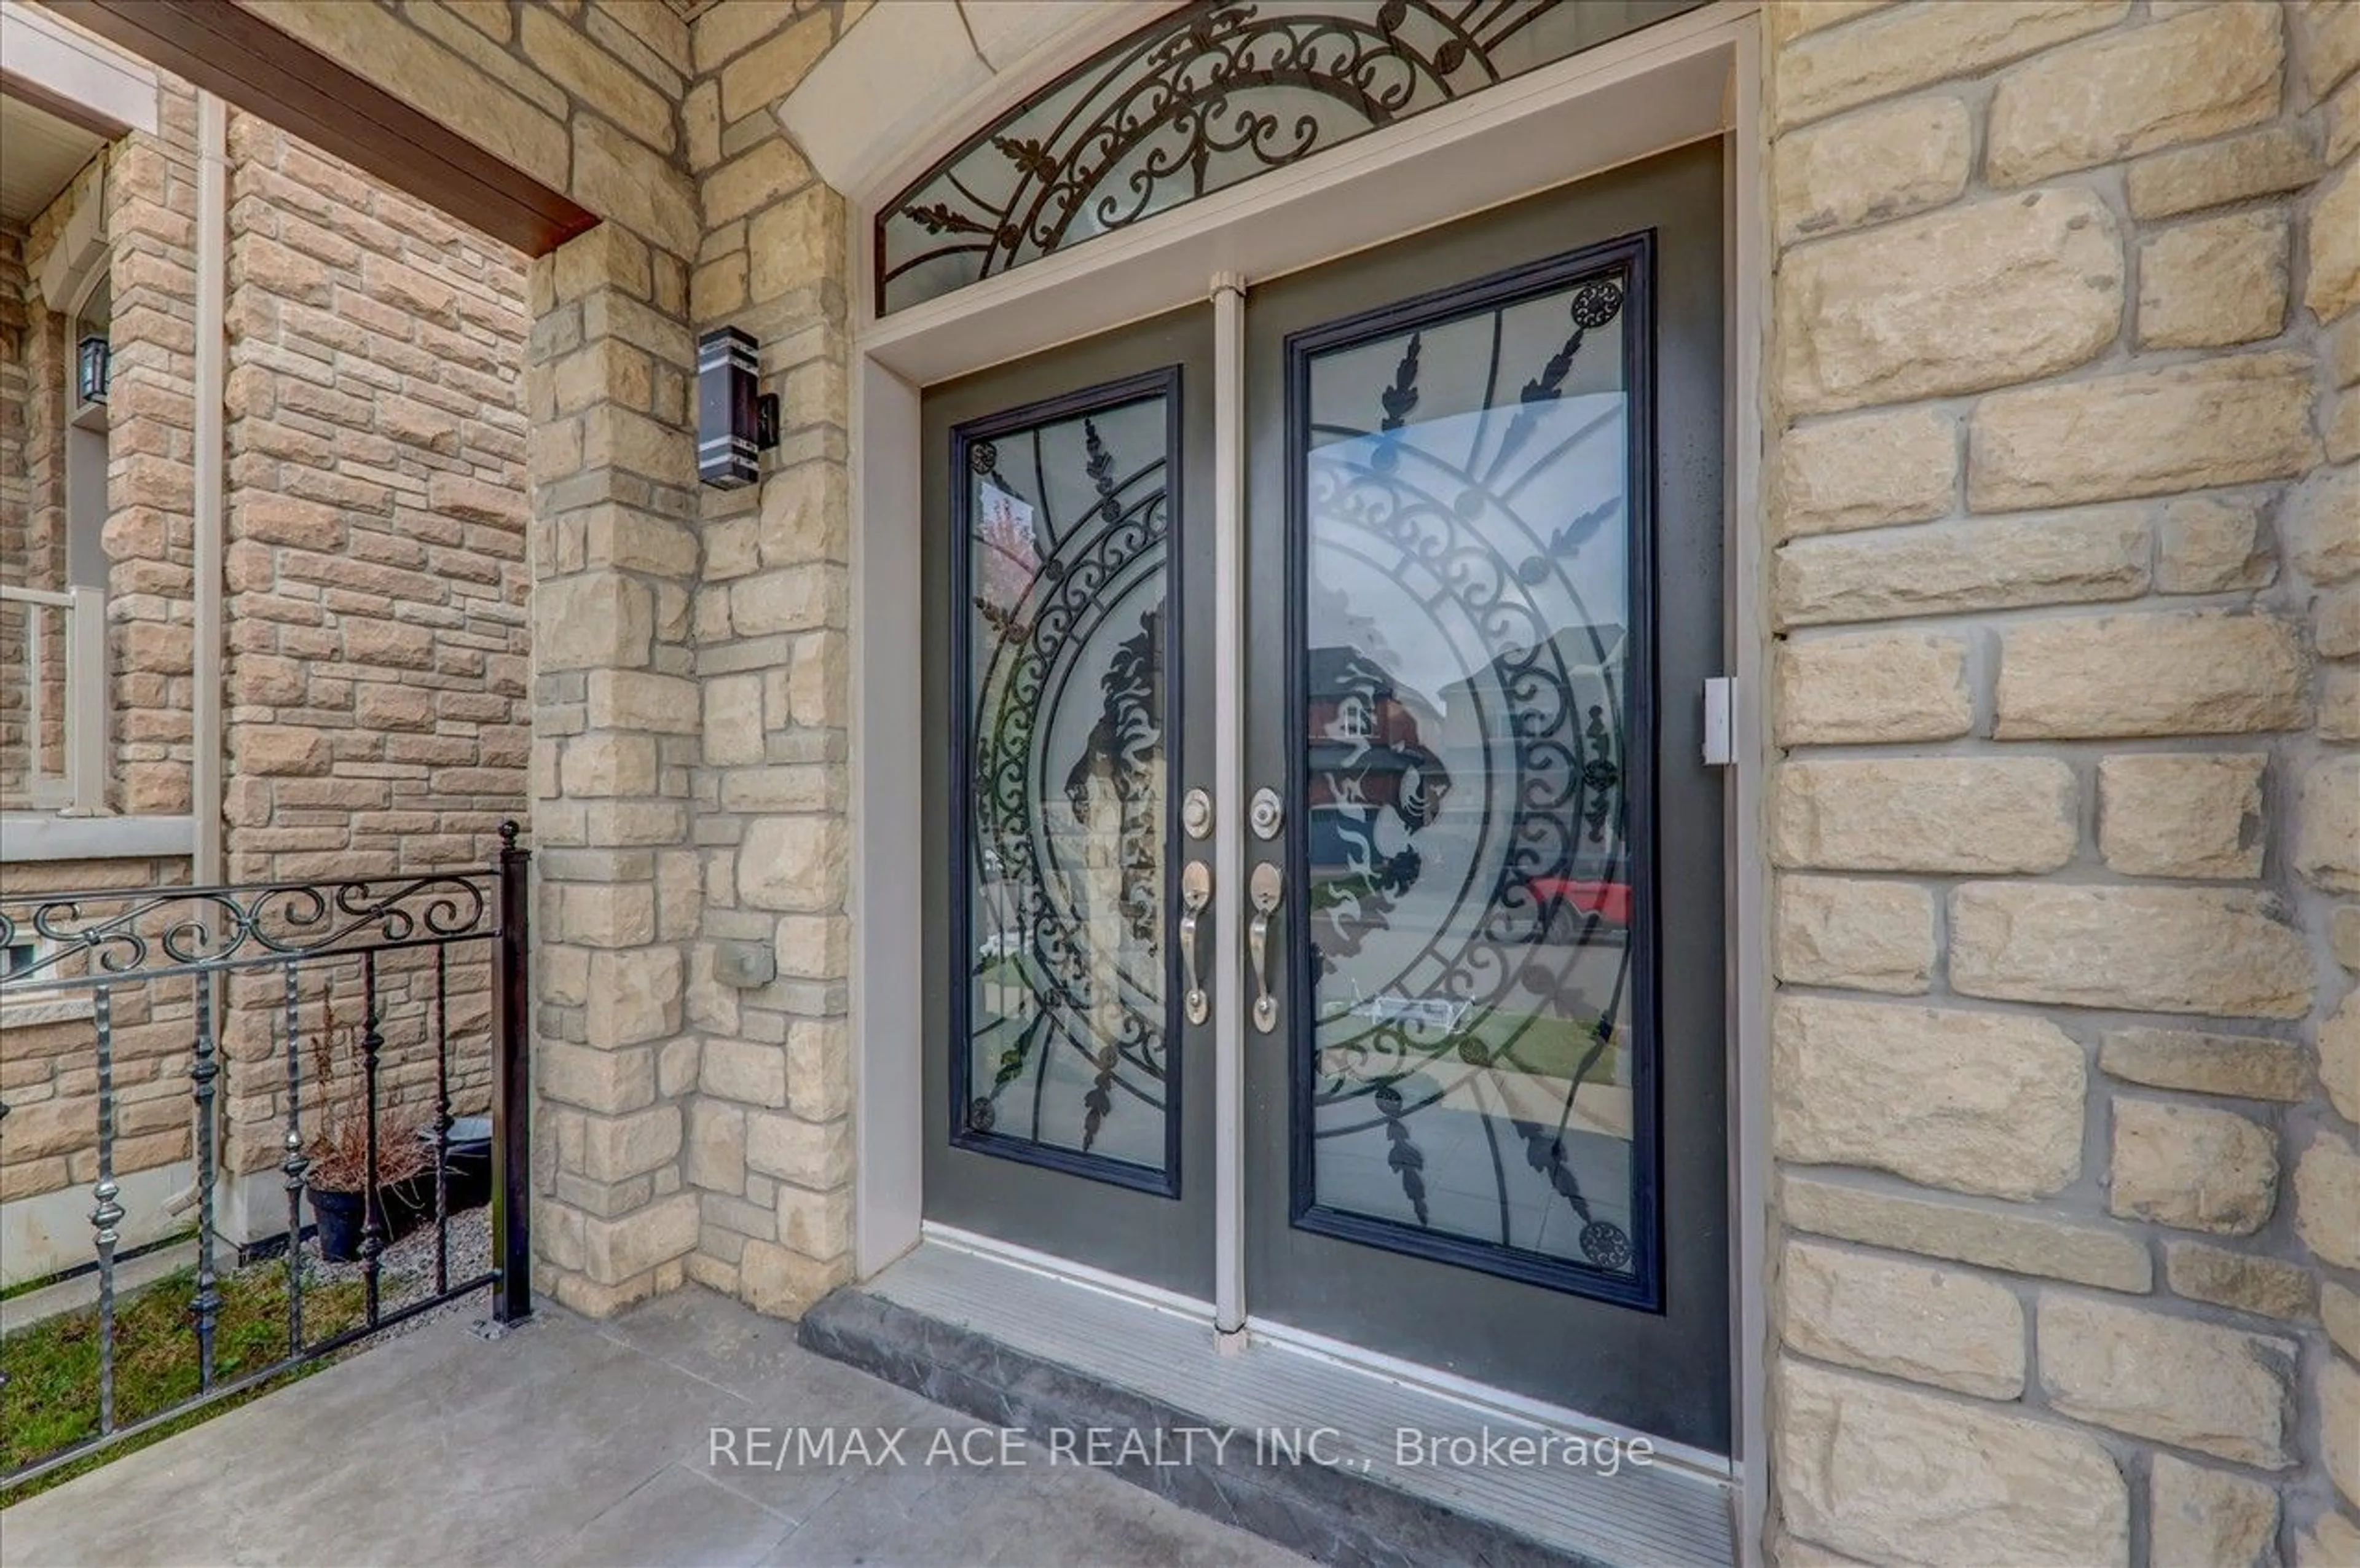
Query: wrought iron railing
x=56, y=652
x=240, y=958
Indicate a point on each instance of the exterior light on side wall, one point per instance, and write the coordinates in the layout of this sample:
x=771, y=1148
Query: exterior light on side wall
x=91, y=362
x=736, y=423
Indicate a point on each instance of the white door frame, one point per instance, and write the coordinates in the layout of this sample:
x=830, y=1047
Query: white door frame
x=1694, y=76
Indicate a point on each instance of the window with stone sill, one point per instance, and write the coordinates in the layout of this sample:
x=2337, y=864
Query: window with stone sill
x=1203, y=99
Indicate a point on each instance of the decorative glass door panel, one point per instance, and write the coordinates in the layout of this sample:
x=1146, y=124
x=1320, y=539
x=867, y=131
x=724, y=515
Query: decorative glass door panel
x=1486, y=1101
x=1472, y=891
x=1065, y=533
x=1065, y=1077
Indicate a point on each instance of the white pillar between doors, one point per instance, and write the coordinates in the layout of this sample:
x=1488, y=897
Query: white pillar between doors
x=1228, y=291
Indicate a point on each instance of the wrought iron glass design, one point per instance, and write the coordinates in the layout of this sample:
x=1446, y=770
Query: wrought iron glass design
x=1200, y=99
x=1470, y=487
x=1060, y=1052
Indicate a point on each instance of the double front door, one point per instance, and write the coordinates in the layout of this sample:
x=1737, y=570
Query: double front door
x=1479, y=1008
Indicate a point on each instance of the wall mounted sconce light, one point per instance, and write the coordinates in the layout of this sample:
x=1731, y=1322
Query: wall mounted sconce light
x=92, y=361
x=736, y=423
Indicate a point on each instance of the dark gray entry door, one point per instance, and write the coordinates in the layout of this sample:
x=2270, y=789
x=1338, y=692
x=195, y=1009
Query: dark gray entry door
x=1068, y=1085
x=1487, y=1097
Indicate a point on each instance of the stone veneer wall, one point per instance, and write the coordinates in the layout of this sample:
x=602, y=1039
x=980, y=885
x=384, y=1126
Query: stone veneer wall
x=15, y=508
x=2057, y=825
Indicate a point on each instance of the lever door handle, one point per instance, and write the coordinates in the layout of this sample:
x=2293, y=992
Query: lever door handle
x=1266, y=888
x=1195, y=895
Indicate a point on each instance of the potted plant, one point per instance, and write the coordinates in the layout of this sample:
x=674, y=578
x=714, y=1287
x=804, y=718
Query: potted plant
x=336, y=1179
x=336, y=1182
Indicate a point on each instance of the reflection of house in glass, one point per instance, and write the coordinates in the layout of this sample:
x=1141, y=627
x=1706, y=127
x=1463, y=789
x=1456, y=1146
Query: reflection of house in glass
x=1368, y=758
x=1553, y=717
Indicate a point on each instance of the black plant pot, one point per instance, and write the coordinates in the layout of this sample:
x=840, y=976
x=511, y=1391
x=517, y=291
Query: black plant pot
x=341, y=1223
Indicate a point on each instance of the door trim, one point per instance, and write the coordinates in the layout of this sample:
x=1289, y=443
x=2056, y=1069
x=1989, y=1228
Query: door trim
x=1694, y=76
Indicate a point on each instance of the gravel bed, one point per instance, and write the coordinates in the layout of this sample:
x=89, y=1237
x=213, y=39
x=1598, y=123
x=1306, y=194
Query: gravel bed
x=406, y=1270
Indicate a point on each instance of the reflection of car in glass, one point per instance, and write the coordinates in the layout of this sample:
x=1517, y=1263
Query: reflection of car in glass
x=999, y=944
x=1585, y=896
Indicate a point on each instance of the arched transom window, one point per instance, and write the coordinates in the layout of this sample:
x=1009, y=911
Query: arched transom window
x=1200, y=99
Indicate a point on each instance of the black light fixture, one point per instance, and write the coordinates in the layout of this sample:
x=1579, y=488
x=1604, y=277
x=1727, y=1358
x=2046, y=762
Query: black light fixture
x=736, y=423
x=91, y=360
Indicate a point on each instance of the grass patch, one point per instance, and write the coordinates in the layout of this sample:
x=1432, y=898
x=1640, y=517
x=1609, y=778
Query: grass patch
x=51, y=1400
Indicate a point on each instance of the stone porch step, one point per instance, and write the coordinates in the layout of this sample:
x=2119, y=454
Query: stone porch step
x=1028, y=1349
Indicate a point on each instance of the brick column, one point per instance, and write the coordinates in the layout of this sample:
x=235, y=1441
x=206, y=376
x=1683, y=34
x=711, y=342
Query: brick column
x=616, y=715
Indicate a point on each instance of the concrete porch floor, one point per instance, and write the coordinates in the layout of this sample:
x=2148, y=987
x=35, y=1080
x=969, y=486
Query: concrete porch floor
x=576, y=1442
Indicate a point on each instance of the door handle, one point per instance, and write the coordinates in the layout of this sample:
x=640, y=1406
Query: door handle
x=1266, y=888
x=1196, y=894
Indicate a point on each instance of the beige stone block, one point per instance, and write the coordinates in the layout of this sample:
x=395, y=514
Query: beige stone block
x=608, y=764
x=595, y=619
x=2336, y=1391
x=640, y=699
x=715, y=1158
x=793, y=864
x=1993, y=563
x=2331, y=1541
x=615, y=1148
x=1965, y=814
x=1886, y=1475
x=279, y=751
x=635, y=995
x=770, y=172
x=1884, y=163
x=733, y=732
x=563, y=972
x=2193, y=816
x=2208, y=1518
x=819, y=1068
x=2246, y=1066
x=676, y=1065
x=2324, y=525
x=2208, y=544
x=608, y=914
x=2144, y=432
x=2338, y=1057
x=2334, y=229
x=2219, y=1392
x=2220, y=282
x=596, y=76
x=2343, y=936
x=819, y=688
x=2192, y=1167
x=2335, y=623
x=815, y=947
x=2204, y=673
x=770, y=71
x=1933, y=1325
x=2165, y=950
x=2327, y=1200
x=2018, y=1241
x=1793, y=18
x=1975, y=1102
x=2327, y=825
x=620, y=177
x=817, y=1224
x=795, y=244
x=1911, y=46
x=1863, y=936
x=1863, y=470
x=747, y=1070
x=2195, y=76
x=616, y=1250
x=2269, y=1287
x=1879, y=687
x=608, y=1082
x=1968, y=298
x=817, y=1155
x=807, y=514
x=793, y=599
x=2339, y=1309
x=781, y=1282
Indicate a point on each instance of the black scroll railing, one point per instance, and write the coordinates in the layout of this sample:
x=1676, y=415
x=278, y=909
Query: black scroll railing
x=429, y=971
